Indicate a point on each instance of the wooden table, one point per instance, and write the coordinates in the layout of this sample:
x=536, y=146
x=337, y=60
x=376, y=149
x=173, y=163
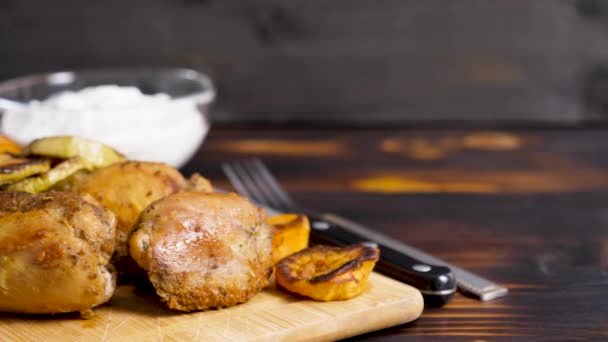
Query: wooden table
x=525, y=208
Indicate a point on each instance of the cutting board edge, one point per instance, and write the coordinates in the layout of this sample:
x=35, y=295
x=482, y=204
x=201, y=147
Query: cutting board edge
x=407, y=309
x=390, y=303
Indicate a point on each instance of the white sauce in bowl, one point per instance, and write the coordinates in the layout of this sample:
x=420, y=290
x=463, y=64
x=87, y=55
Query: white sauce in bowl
x=143, y=127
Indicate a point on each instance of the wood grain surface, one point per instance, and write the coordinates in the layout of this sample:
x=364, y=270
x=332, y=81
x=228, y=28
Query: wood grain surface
x=273, y=315
x=525, y=208
x=361, y=61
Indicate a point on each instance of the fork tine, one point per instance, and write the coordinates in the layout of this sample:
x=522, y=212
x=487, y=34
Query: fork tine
x=252, y=179
x=235, y=180
x=265, y=191
x=273, y=185
x=243, y=183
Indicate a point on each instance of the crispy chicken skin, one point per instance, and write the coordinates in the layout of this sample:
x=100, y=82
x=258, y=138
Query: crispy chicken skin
x=127, y=188
x=55, y=250
x=203, y=250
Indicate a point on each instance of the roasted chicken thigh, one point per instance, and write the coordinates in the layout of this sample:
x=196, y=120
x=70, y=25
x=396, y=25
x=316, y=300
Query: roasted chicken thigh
x=55, y=250
x=203, y=250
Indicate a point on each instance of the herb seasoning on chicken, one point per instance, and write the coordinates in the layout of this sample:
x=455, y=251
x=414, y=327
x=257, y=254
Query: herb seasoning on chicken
x=55, y=250
x=203, y=250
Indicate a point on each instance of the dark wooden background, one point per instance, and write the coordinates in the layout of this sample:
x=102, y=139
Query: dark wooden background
x=340, y=61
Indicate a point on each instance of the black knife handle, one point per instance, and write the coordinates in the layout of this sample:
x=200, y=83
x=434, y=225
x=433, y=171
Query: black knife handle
x=436, y=283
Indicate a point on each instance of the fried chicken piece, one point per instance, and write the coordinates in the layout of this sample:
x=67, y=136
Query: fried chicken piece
x=196, y=182
x=127, y=188
x=203, y=250
x=55, y=250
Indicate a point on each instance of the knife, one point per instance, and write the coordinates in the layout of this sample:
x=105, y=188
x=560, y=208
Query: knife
x=436, y=282
x=397, y=257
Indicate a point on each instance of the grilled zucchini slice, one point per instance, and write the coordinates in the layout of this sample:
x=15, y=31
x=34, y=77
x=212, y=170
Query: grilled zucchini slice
x=46, y=180
x=13, y=169
x=94, y=153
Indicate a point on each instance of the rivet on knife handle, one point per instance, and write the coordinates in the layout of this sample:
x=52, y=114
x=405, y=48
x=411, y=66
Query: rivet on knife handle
x=436, y=283
x=481, y=288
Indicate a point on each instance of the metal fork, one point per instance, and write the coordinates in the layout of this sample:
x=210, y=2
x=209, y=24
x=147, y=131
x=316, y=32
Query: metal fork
x=253, y=179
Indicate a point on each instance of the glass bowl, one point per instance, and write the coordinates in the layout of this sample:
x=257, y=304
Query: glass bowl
x=169, y=134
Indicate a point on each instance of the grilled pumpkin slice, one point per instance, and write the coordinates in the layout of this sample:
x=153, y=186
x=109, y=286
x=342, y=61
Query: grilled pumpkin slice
x=8, y=145
x=46, y=180
x=13, y=169
x=290, y=234
x=328, y=273
x=94, y=153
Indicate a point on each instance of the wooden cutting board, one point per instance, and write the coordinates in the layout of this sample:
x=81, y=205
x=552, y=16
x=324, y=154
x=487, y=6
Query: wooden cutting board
x=273, y=315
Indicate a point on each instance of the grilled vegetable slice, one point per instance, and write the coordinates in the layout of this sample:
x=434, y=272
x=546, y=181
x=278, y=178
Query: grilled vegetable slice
x=13, y=168
x=8, y=145
x=328, y=273
x=289, y=234
x=48, y=179
x=94, y=153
